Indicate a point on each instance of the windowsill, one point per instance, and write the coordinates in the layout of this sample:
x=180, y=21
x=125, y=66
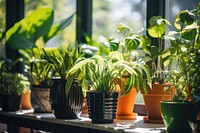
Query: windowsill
x=38, y=121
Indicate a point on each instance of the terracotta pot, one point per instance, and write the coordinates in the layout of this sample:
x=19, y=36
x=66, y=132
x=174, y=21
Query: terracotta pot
x=126, y=105
x=85, y=106
x=152, y=102
x=25, y=102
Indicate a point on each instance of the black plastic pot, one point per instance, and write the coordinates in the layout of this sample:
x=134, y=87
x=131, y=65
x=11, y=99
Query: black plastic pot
x=10, y=102
x=66, y=107
x=102, y=106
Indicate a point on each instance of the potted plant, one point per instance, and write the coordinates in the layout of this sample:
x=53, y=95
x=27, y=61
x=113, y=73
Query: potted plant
x=12, y=86
x=66, y=94
x=103, y=76
x=157, y=57
x=128, y=46
x=40, y=74
x=23, y=37
x=180, y=113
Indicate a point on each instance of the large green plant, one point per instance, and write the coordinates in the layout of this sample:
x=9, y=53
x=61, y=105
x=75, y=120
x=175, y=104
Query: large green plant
x=185, y=48
x=39, y=23
x=104, y=74
x=24, y=34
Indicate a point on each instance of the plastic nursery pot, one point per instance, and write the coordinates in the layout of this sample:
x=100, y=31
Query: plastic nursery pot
x=179, y=117
x=125, y=106
x=152, y=102
x=10, y=102
x=66, y=107
x=102, y=106
x=40, y=99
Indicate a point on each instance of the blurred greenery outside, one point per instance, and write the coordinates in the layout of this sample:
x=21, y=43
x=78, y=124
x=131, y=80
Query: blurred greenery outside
x=106, y=15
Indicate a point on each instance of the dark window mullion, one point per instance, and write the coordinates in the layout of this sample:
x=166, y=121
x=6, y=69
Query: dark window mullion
x=14, y=13
x=155, y=8
x=83, y=20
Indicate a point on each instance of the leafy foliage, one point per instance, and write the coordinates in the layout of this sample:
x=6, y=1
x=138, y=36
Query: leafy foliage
x=39, y=23
x=104, y=74
x=186, y=50
x=36, y=66
x=12, y=83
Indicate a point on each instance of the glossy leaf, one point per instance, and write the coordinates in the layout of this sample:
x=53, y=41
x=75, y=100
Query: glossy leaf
x=58, y=27
x=25, y=32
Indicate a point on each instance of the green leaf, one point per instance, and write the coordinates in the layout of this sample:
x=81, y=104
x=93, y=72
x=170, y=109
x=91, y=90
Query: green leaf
x=184, y=17
x=157, y=31
x=123, y=27
x=154, y=52
x=114, y=45
x=189, y=34
x=25, y=32
x=132, y=42
x=58, y=27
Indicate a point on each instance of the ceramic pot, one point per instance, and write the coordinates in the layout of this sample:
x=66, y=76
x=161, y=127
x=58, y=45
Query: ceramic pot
x=66, y=106
x=102, y=106
x=40, y=99
x=179, y=117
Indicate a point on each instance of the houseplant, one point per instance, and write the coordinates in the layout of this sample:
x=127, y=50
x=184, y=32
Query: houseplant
x=40, y=74
x=129, y=46
x=180, y=113
x=24, y=37
x=103, y=75
x=12, y=86
x=66, y=94
x=157, y=57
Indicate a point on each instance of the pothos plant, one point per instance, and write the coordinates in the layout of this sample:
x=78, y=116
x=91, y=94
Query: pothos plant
x=104, y=73
x=185, y=50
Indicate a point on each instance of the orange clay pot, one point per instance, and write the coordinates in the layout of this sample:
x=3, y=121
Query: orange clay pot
x=126, y=105
x=25, y=102
x=152, y=102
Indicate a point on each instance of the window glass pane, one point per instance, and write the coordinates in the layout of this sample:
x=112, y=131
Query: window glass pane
x=107, y=14
x=2, y=27
x=62, y=10
x=174, y=6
